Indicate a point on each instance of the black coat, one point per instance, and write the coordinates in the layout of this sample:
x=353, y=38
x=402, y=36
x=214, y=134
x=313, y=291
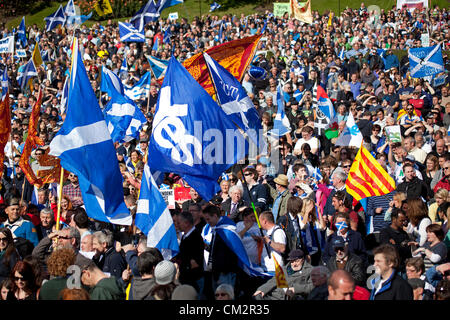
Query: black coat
x=415, y=188
x=235, y=216
x=395, y=289
x=191, y=248
x=111, y=262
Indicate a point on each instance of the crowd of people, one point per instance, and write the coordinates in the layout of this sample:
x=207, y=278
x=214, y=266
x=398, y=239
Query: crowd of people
x=330, y=246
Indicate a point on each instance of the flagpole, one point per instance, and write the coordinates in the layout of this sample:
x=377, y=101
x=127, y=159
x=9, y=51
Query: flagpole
x=58, y=215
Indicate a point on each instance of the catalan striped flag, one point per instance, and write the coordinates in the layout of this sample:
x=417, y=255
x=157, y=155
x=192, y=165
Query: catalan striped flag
x=367, y=178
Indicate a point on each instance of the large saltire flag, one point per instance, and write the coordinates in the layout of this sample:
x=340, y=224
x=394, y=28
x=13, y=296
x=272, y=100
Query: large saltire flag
x=103, y=7
x=153, y=217
x=22, y=33
x=191, y=136
x=55, y=19
x=426, y=61
x=302, y=11
x=235, y=56
x=367, y=178
x=28, y=72
x=5, y=118
x=85, y=148
x=158, y=67
x=128, y=33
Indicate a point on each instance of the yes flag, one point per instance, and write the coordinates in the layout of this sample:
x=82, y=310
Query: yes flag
x=351, y=135
x=22, y=33
x=123, y=118
x=128, y=33
x=154, y=219
x=189, y=132
x=141, y=89
x=84, y=146
x=55, y=19
x=281, y=125
x=426, y=61
x=233, y=99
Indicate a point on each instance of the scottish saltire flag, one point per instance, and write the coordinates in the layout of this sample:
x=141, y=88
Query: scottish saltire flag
x=78, y=19
x=264, y=27
x=156, y=44
x=124, y=66
x=192, y=136
x=214, y=6
x=154, y=219
x=225, y=177
x=64, y=95
x=149, y=12
x=4, y=83
x=281, y=125
x=129, y=164
x=167, y=35
x=158, y=66
x=220, y=35
x=111, y=82
x=351, y=135
x=298, y=95
x=342, y=54
x=316, y=174
x=22, y=33
x=34, y=196
x=233, y=99
x=168, y=3
x=55, y=19
x=28, y=71
x=69, y=9
x=84, y=146
x=128, y=33
x=226, y=230
x=123, y=118
x=425, y=61
x=141, y=89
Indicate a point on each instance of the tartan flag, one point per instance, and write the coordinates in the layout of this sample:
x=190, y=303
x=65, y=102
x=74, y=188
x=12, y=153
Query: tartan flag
x=367, y=178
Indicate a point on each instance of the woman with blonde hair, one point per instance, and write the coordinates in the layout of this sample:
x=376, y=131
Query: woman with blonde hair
x=441, y=198
x=313, y=230
x=397, y=201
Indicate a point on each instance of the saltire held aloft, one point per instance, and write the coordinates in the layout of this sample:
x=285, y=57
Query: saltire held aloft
x=367, y=178
x=153, y=217
x=281, y=125
x=128, y=33
x=22, y=33
x=158, y=66
x=28, y=72
x=5, y=118
x=140, y=89
x=425, y=61
x=85, y=148
x=55, y=19
x=351, y=135
x=147, y=13
x=177, y=146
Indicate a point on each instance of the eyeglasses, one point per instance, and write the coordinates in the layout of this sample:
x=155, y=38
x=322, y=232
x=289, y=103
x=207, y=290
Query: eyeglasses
x=221, y=294
x=4, y=239
x=446, y=168
x=65, y=238
x=346, y=166
x=19, y=278
x=247, y=174
x=338, y=249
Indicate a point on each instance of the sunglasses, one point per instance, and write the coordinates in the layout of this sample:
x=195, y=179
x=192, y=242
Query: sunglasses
x=346, y=166
x=221, y=294
x=247, y=174
x=19, y=279
x=4, y=239
x=338, y=249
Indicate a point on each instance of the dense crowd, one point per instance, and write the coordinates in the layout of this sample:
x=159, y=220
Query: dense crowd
x=330, y=246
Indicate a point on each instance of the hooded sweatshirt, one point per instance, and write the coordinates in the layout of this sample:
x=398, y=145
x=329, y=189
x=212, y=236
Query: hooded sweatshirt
x=107, y=289
x=141, y=288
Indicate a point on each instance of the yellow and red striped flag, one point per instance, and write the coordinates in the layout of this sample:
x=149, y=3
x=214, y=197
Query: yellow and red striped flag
x=367, y=178
x=280, y=276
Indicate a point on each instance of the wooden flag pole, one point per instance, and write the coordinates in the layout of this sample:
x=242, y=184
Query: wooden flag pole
x=58, y=215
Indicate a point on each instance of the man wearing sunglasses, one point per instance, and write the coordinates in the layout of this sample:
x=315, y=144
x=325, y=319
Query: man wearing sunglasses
x=444, y=183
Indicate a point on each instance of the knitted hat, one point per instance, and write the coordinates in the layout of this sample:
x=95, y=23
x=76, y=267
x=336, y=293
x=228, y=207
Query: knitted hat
x=165, y=272
x=184, y=292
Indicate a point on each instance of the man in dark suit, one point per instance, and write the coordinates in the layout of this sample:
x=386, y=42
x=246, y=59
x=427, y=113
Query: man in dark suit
x=234, y=205
x=190, y=256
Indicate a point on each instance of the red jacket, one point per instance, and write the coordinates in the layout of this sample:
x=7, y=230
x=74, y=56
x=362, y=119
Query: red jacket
x=444, y=183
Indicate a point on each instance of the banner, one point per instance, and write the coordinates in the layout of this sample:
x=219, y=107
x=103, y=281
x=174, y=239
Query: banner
x=173, y=16
x=169, y=197
x=280, y=8
x=393, y=133
x=7, y=45
x=412, y=4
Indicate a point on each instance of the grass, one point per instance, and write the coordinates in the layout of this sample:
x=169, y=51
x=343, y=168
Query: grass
x=193, y=8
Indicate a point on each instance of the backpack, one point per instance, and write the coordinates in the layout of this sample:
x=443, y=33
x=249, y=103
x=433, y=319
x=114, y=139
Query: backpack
x=23, y=246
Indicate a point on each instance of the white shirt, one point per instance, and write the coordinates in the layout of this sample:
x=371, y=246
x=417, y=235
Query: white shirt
x=250, y=245
x=278, y=236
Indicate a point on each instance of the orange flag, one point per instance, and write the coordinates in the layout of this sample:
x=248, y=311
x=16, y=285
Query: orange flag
x=235, y=56
x=5, y=128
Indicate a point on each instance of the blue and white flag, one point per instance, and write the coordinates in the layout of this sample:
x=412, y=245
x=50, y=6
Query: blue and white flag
x=158, y=66
x=124, y=66
x=342, y=54
x=281, y=125
x=129, y=164
x=78, y=19
x=226, y=230
x=298, y=95
x=225, y=176
x=316, y=174
x=123, y=118
x=167, y=35
x=192, y=136
x=220, y=35
x=148, y=13
x=22, y=33
x=257, y=73
x=28, y=71
x=214, y=6
x=55, y=19
x=111, y=82
x=4, y=83
x=156, y=44
x=141, y=89
x=168, y=3
x=425, y=61
x=69, y=9
x=351, y=135
x=64, y=95
x=233, y=99
x=128, y=33
x=154, y=219
x=84, y=146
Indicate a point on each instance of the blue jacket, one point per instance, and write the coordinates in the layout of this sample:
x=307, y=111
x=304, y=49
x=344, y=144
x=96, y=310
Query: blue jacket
x=22, y=228
x=394, y=288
